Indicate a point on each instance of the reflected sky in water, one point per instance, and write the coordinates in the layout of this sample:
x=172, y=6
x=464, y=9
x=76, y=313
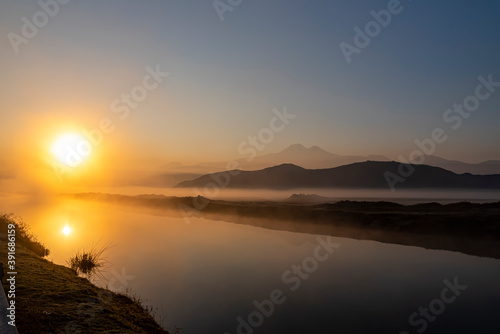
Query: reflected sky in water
x=204, y=274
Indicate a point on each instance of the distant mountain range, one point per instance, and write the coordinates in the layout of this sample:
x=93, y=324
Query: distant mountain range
x=297, y=154
x=483, y=168
x=369, y=174
x=310, y=158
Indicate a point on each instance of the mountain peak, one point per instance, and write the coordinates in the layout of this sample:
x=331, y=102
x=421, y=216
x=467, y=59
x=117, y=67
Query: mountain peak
x=287, y=166
x=317, y=149
x=299, y=148
x=295, y=147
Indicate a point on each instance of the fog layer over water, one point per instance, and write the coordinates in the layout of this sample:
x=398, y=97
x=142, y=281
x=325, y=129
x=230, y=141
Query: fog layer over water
x=398, y=196
x=208, y=276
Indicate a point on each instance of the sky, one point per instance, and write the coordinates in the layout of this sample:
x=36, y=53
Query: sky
x=225, y=77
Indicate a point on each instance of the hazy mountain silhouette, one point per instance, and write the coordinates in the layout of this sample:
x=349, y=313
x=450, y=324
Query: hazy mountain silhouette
x=311, y=158
x=315, y=157
x=369, y=174
x=297, y=154
x=459, y=167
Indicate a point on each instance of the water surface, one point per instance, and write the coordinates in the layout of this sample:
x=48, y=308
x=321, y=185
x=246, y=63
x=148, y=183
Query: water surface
x=205, y=275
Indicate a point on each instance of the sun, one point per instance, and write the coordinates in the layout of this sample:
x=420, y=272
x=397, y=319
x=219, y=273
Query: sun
x=71, y=149
x=66, y=230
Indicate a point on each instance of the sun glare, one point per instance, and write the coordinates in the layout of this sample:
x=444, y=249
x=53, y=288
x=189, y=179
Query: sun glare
x=71, y=149
x=66, y=230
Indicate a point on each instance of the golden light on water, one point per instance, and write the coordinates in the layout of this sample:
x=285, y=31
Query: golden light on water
x=66, y=230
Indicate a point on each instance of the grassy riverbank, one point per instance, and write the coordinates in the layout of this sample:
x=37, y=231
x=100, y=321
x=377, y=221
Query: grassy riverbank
x=53, y=299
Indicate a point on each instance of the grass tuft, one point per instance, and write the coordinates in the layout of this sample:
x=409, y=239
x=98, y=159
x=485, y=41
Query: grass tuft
x=89, y=262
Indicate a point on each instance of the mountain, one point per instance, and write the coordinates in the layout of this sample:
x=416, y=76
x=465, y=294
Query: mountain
x=459, y=167
x=312, y=157
x=369, y=174
x=315, y=157
x=296, y=154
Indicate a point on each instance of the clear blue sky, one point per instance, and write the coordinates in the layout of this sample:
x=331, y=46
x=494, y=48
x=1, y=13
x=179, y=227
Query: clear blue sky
x=227, y=76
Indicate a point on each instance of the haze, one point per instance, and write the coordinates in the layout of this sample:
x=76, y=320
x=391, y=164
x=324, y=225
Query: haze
x=226, y=77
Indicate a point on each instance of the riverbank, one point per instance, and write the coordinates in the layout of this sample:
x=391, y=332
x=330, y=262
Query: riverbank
x=50, y=298
x=469, y=228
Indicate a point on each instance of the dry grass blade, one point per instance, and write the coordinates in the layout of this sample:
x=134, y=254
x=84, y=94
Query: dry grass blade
x=89, y=262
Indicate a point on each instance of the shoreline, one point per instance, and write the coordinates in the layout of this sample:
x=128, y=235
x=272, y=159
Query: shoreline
x=469, y=228
x=51, y=298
